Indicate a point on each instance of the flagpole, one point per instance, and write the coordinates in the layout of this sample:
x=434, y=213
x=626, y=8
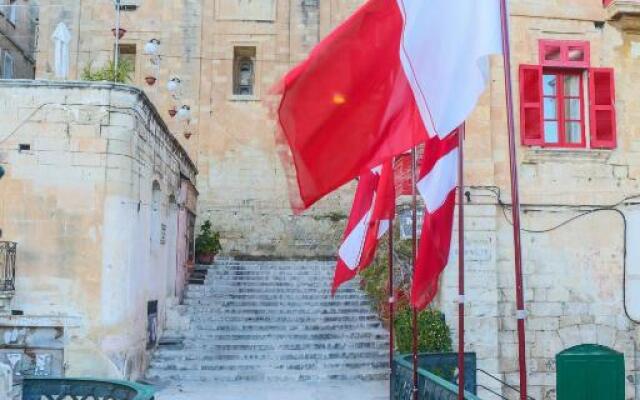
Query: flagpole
x=391, y=310
x=515, y=199
x=461, y=133
x=414, y=248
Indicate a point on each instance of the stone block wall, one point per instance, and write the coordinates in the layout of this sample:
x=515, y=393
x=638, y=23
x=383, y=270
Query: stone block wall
x=91, y=196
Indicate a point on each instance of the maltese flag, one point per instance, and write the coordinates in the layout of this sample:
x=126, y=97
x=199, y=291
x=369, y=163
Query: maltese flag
x=394, y=74
x=437, y=186
x=373, y=208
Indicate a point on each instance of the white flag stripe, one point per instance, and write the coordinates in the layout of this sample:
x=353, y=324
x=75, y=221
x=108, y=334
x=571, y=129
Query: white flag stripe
x=383, y=227
x=440, y=181
x=351, y=250
x=445, y=55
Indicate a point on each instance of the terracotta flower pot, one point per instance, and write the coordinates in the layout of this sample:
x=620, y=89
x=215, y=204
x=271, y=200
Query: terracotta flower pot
x=172, y=112
x=206, y=259
x=187, y=135
x=121, y=32
x=150, y=80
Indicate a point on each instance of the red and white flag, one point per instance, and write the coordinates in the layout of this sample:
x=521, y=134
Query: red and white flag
x=392, y=75
x=437, y=186
x=373, y=207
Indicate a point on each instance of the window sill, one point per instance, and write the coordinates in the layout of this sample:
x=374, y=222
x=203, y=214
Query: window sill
x=535, y=155
x=241, y=97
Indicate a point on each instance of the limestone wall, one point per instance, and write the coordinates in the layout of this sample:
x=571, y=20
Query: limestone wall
x=18, y=38
x=91, y=200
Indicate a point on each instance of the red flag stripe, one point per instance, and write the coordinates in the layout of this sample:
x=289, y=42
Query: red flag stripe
x=438, y=179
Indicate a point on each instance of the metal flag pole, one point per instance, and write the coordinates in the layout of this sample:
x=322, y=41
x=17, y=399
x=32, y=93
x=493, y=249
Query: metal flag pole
x=391, y=311
x=414, y=246
x=461, y=132
x=515, y=199
x=117, y=49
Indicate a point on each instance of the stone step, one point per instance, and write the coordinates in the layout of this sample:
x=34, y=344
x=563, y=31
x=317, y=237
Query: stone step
x=337, y=311
x=260, y=365
x=363, y=374
x=169, y=354
x=238, y=289
x=286, y=318
x=204, y=324
x=234, y=345
x=273, y=321
x=280, y=336
x=216, y=294
x=284, y=304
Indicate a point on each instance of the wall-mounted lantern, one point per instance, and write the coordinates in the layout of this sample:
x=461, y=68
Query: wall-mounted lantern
x=184, y=113
x=173, y=84
x=152, y=47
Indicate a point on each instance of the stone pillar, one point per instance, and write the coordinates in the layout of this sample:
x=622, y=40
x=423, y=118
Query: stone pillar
x=7, y=389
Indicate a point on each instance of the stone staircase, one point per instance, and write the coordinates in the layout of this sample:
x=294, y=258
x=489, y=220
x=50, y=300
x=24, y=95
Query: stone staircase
x=272, y=321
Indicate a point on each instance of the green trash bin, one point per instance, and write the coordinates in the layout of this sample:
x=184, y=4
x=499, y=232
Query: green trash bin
x=590, y=372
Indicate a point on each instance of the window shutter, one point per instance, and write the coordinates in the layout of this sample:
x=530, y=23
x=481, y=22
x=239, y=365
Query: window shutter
x=531, y=119
x=602, y=112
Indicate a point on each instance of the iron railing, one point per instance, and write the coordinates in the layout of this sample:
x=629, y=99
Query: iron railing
x=430, y=386
x=505, y=386
x=84, y=389
x=7, y=266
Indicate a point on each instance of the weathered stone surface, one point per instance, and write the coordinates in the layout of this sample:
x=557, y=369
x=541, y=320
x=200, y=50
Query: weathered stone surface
x=80, y=203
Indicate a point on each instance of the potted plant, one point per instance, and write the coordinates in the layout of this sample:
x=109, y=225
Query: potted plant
x=207, y=244
x=151, y=80
x=120, y=32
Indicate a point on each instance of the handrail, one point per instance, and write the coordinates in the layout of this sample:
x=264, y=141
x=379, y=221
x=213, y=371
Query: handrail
x=443, y=383
x=503, y=383
x=492, y=392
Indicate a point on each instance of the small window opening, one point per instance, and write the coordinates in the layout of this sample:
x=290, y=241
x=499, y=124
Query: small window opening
x=244, y=70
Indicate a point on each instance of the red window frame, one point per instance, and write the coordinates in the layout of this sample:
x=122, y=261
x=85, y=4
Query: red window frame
x=564, y=53
x=561, y=116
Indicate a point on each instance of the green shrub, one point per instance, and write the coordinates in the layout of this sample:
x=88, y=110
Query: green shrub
x=435, y=335
x=109, y=72
x=208, y=241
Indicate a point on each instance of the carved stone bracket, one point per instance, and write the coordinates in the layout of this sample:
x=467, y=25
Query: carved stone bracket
x=624, y=14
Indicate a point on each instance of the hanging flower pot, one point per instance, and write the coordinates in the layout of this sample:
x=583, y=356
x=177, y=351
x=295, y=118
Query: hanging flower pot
x=172, y=112
x=121, y=32
x=151, y=80
x=187, y=135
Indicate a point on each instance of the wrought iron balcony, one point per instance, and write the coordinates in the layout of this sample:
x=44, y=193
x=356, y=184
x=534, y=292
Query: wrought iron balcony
x=624, y=14
x=81, y=389
x=7, y=267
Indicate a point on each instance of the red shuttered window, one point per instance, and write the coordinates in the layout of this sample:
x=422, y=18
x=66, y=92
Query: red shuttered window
x=531, y=120
x=602, y=110
x=554, y=103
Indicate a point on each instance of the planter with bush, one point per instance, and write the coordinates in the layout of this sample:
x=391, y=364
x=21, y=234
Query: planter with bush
x=207, y=244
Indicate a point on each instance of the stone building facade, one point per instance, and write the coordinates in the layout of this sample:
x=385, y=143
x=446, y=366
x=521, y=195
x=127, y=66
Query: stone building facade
x=581, y=283
x=97, y=196
x=18, y=21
